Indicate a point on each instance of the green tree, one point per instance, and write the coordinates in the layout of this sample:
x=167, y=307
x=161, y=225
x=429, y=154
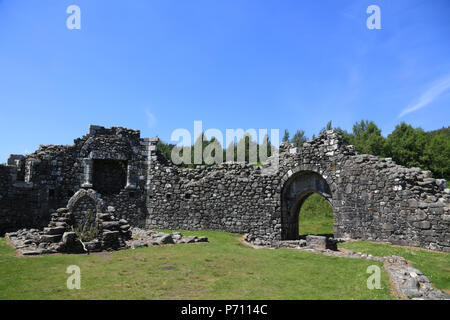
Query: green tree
x=329, y=126
x=286, y=136
x=406, y=146
x=437, y=155
x=165, y=149
x=367, y=138
x=346, y=137
x=299, y=138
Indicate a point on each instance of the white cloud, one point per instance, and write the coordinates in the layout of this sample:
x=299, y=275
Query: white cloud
x=151, y=119
x=436, y=90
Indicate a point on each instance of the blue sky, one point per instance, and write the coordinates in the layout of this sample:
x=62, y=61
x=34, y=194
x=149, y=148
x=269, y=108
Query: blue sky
x=159, y=65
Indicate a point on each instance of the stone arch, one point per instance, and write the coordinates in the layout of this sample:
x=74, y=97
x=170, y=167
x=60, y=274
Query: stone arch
x=82, y=201
x=93, y=149
x=297, y=186
x=86, y=147
x=110, y=158
x=324, y=173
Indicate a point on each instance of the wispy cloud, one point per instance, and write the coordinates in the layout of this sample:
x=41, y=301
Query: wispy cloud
x=151, y=119
x=436, y=90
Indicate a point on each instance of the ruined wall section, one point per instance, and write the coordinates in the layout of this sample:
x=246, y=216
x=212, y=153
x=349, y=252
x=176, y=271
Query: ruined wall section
x=51, y=175
x=49, y=170
x=19, y=203
x=232, y=197
x=374, y=198
x=323, y=156
x=119, y=144
x=387, y=202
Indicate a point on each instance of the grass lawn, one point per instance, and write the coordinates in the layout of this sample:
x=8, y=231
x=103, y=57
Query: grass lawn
x=221, y=269
x=316, y=226
x=435, y=265
x=316, y=217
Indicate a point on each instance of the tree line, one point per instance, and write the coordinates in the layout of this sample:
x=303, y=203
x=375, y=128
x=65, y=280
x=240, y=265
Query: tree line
x=252, y=151
x=407, y=146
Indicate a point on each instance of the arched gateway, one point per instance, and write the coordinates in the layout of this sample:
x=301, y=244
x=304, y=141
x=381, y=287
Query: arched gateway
x=295, y=191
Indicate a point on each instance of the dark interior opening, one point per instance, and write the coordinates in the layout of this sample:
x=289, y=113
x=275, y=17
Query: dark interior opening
x=109, y=176
x=70, y=193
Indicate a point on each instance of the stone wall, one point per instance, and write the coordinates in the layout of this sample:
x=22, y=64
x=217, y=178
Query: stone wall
x=46, y=179
x=20, y=204
x=372, y=198
x=13, y=159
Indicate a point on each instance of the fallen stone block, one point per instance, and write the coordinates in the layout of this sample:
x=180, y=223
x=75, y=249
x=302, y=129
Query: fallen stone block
x=47, y=238
x=166, y=239
x=54, y=230
x=69, y=238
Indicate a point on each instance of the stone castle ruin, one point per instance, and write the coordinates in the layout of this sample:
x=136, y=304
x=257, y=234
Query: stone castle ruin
x=372, y=198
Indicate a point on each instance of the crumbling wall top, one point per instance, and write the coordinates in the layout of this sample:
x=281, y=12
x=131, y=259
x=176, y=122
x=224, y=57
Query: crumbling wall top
x=95, y=130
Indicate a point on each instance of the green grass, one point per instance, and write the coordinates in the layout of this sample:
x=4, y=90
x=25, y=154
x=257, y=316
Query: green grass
x=435, y=265
x=316, y=226
x=221, y=269
x=316, y=216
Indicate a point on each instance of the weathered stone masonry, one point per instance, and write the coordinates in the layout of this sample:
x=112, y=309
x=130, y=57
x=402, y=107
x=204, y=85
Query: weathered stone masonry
x=372, y=198
x=46, y=179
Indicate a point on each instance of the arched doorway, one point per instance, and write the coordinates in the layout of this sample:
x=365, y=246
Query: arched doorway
x=294, y=193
